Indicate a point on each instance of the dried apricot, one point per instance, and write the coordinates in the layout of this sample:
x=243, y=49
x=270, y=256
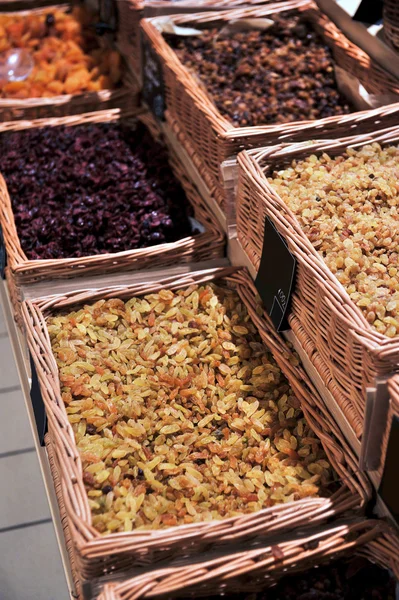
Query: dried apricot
x=58, y=42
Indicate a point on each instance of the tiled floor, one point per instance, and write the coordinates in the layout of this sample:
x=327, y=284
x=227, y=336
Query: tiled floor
x=30, y=562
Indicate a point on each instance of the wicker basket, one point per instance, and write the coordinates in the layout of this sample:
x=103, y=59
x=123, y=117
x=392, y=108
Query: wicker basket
x=124, y=97
x=349, y=351
x=256, y=570
x=96, y=554
x=393, y=411
x=391, y=22
x=195, y=248
x=214, y=137
x=130, y=13
x=64, y=521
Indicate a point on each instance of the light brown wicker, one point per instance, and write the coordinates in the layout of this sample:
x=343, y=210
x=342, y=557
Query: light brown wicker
x=256, y=570
x=16, y=298
x=77, y=592
x=96, y=554
x=214, y=137
x=124, y=97
x=130, y=13
x=195, y=248
x=215, y=189
x=393, y=411
x=391, y=22
x=350, y=352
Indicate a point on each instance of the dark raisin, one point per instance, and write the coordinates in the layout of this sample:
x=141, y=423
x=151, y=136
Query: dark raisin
x=106, y=489
x=282, y=74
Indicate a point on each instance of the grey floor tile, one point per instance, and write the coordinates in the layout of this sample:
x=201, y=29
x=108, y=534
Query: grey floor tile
x=3, y=327
x=30, y=565
x=23, y=498
x=8, y=370
x=15, y=430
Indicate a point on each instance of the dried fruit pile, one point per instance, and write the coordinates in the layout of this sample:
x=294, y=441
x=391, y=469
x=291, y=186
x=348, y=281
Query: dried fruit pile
x=347, y=206
x=66, y=53
x=282, y=74
x=356, y=579
x=92, y=189
x=180, y=413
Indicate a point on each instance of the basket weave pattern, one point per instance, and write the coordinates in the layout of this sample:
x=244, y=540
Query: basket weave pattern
x=203, y=246
x=214, y=137
x=393, y=411
x=95, y=554
x=258, y=569
x=124, y=97
x=64, y=521
x=197, y=160
x=352, y=352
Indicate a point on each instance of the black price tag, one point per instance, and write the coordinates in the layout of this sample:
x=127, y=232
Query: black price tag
x=275, y=277
x=153, y=82
x=37, y=403
x=369, y=12
x=3, y=256
x=389, y=486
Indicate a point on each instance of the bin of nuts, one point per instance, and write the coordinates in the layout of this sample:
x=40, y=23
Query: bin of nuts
x=341, y=562
x=240, y=82
x=180, y=421
x=334, y=202
x=71, y=69
x=97, y=193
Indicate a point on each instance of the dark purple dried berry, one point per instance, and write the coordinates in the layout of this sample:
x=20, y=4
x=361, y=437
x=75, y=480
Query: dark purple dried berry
x=92, y=189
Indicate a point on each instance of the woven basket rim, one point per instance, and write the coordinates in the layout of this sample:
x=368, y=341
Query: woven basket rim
x=259, y=161
x=335, y=541
x=176, y=4
x=86, y=538
x=19, y=263
x=393, y=387
x=220, y=124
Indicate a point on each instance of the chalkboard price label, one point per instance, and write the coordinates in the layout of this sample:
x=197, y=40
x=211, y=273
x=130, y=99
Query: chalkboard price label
x=39, y=409
x=389, y=486
x=275, y=278
x=153, y=82
x=3, y=256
